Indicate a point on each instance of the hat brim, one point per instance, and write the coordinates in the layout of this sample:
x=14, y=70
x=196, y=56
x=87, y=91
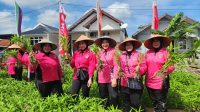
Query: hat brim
x=136, y=44
x=112, y=42
x=13, y=46
x=38, y=45
x=166, y=41
x=88, y=42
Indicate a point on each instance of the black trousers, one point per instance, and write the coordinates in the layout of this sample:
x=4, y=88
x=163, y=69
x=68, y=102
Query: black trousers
x=14, y=76
x=32, y=76
x=159, y=99
x=48, y=88
x=132, y=99
x=77, y=85
x=19, y=71
x=108, y=93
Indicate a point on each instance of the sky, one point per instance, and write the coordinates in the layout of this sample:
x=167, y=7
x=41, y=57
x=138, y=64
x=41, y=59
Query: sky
x=132, y=12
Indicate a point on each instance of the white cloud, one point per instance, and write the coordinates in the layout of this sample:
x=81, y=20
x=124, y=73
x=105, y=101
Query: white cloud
x=119, y=10
x=7, y=21
x=49, y=17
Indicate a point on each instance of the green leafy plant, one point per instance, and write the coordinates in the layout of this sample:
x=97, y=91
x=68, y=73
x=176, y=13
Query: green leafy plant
x=177, y=30
x=96, y=50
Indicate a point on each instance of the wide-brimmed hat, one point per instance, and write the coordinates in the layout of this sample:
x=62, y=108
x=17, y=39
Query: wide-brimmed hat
x=165, y=41
x=13, y=46
x=4, y=42
x=136, y=43
x=88, y=40
x=112, y=42
x=45, y=41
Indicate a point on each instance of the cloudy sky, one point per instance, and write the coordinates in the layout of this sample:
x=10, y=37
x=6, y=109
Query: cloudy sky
x=132, y=12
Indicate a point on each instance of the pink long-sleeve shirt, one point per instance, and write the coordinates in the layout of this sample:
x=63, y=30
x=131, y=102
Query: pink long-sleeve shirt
x=154, y=62
x=128, y=64
x=11, y=62
x=85, y=59
x=50, y=66
x=110, y=67
x=25, y=60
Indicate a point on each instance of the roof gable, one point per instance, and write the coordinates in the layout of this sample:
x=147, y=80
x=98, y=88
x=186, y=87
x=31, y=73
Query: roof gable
x=93, y=19
x=42, y=29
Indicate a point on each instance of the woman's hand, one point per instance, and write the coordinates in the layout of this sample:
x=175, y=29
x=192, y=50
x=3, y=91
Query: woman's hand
x=89, y=82
x=100, y=67
x=113, y=82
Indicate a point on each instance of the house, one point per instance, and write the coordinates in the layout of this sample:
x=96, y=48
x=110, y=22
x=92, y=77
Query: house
x=185, y=44
x=87, y=25
x=41, y=31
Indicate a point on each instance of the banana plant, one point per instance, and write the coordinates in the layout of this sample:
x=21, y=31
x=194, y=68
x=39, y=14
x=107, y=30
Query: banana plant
x=176, y=30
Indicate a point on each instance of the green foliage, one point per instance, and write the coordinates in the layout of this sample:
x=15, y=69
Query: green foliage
x=95, y=48
x=184, y=91
x=10, y=52
x=22, y=41
x=23, y=96
x=177, y=30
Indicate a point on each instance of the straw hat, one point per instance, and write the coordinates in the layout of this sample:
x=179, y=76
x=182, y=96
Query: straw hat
x=4, y=42
x=13, y=46
x=112, y=42
x=148, y=43
x=136, y=43
x=88, y=40
x=45, y=41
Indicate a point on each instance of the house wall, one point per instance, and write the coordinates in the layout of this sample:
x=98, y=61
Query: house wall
x=107, y=24
x=80, y=26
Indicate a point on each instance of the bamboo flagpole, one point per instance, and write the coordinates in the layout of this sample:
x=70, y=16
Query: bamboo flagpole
x=155, y=18
x=99, y=19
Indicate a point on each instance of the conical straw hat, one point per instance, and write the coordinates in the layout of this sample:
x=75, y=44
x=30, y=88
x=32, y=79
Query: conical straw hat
x=166, y=41
x=14, y=46
x=45, y=41
x=112, y=42
x=88, y=40
x=136, y=43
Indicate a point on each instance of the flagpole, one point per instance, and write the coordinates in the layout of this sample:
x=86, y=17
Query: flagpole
x=97, y=6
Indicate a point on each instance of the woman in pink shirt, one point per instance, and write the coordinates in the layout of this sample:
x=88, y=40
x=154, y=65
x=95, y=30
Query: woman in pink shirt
x=24, y=58
x=12, y=62
x=108, y=71
x=83, y=62
x=155, y=58
x=132, y=67
x=49, y=71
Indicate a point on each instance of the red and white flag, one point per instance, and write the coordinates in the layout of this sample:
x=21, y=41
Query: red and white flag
x=62, y=28
x=155, y=19
x=99, y=18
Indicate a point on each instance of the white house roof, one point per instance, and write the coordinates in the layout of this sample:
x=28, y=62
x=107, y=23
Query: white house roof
x=41, y=28
x=92, y=20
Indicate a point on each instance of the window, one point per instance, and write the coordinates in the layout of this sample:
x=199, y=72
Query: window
x=93, y=34
x=35, y=40
x=106, y=33
x=182, y=44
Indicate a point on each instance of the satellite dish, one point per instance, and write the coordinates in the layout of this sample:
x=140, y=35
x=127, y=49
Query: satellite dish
x=123, y=26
